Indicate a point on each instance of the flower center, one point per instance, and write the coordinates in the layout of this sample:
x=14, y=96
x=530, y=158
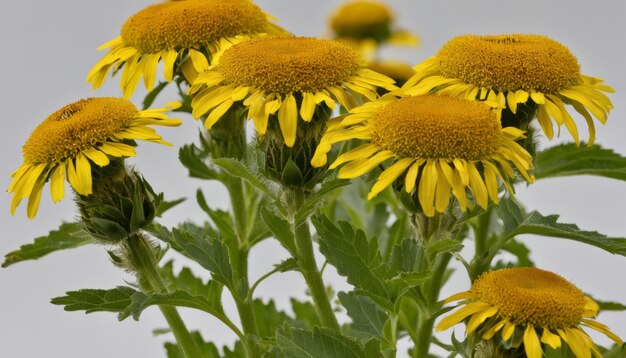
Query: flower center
x=361, y=19
x=290, y=64
x=510, y=62
x=437, y=127
x=76, y=127
x=530, y=295
x=189, y=23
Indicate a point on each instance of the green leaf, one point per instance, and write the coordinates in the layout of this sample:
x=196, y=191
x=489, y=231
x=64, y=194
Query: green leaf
x=290, y=264
x=353, y=256
x=462, y=348
x=319, y=343
x=268, y=318
x=152, y=95
x=609, y=305
x=518, y=222
x=68, y=236
x=207, y=349
x=94, y=300
x=185, y=280
x=191, y=157
x=520, y=251
x=222, y=219
x=568, y=159
x=312, y=203
x=280, y=228
x=367, y=318
x=141, y=301
x=443, y=246
x=209, y=252
x=237, y=169
x=305, y=312
x=405, y=256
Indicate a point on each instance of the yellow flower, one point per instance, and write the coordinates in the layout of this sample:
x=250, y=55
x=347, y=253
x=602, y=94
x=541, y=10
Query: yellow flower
x=397, y=70
x=367, y=24
x=538, y=305
x=183, y=34
x=72, y=139
x=506, y=70
x=441, y=145
x=287, y=77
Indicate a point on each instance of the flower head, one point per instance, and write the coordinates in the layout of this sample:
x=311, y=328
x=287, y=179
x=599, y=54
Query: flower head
x=441, y=145
x=397, y=70
x=182, y=33
x=539, y=305
x=72, y=139
x=287, y=77
x=506, y=70
x=367, y=24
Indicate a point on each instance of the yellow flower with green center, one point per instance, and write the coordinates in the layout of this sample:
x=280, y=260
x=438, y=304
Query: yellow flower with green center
x=506, y=70
x=367, y=24
x=182, y=33
x=72, y=139
x=539, y=305
x=441, y=145
x=285, y=76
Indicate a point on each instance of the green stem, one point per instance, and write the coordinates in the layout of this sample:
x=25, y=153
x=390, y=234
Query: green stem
x=432, y=288
x=148, y=271
x=481, y=231
x=308, y=267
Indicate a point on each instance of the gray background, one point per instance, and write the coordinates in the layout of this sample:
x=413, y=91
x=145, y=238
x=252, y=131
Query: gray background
x=49, y=46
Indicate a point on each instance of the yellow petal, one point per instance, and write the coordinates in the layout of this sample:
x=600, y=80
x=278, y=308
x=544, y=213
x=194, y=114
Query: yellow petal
x=359, y=167
x=478, y=186
x=34, y=199
x=97, y=157
x=308, y=106
x=532, y=345
x=288, y=120
x=411, y=176
x=427, y=188
x=362, y=152
x=491, y=180
x=508, y=330
x=169, y=61
x=389, y=175
x=199, y=61
x=57, y=183
x=150, y=63
x=478, y=319
x=493, y=330
x=117, y=149
x=544, y=121
x=83, y=181
x=458, y=316
x=442, y=196
x=217, y=113
x=511, y=100
x=550, y=339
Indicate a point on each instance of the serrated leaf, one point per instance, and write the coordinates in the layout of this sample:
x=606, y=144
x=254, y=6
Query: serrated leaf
x=462, y=348
x=609, y=305
x=140, y=301
x=185, y=280
x=518, y=222
x=305, y=312
x=405, y=256
x=353, y=256
x=319, y=343
x=443, y=246
x=96, y=300
x=207, y=349
x=237, y=169
x=290, y=264
x=521, y=252
x=209, y=252
x=191, y=157
x=312, y=203
x=222, y=219
x=568, y=159
x=367, y=318
x=68, y=236
x=269, y=318
x=280, y=228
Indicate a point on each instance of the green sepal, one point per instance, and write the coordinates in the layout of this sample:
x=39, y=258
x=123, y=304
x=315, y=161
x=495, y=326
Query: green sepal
x=67, y=236
x=291, y=175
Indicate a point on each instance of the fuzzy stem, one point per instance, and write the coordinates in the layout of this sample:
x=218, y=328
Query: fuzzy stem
x=146, y=265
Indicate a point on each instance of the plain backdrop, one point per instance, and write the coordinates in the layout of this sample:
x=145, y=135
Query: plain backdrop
x=49, y=46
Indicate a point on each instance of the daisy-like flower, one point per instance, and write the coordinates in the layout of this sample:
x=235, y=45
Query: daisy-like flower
x=367, y=24
x=71, y=140
x=538, y=305
x=285, y=76
x=506, y=70
x=441, y=145
x=177, y=32
x=397, y=70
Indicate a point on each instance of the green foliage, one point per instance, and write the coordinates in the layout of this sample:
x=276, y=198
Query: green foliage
x=314, y=201
x=192, y=158
x=367, y=318
x=518, y=222
x=207, y=349
x=93, y=300
x=319, y=343
x=167, y=205
x=306, y=313
x=68, y=236
x=268, y=318
x=280, y=228
x=186, y=281
x=569, y=159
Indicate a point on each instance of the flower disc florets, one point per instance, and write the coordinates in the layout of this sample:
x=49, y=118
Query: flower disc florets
x=431, y=127
x=285, y=65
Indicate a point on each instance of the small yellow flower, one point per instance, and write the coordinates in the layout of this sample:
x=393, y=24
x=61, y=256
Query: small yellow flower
x=442, y=145
x=506, y=70
x=181, y=33
x=367, y=24
x=538, y=305
x=72, y=139
x=287, y=77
